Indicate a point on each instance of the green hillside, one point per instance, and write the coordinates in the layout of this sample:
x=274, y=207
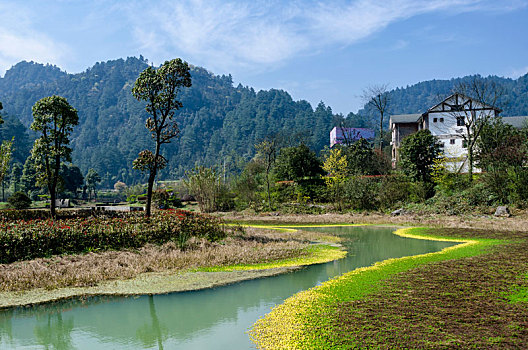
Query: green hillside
x=220, y=123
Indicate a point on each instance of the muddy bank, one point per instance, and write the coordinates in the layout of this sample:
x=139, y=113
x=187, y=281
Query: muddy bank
x=149, y=283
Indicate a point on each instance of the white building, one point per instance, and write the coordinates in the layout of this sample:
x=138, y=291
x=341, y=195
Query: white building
x=448, y=121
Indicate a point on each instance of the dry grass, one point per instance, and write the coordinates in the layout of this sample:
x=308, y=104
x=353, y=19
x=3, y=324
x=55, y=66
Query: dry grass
x=87, y=270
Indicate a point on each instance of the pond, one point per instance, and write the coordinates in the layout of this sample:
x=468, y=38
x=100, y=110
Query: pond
x=215, y=318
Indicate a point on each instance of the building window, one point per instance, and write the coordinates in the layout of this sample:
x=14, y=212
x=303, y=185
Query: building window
x=441, y=120
x=464, y=143
x=435, y=120
x=452, y=141
x=460, y=121
x=441, y=145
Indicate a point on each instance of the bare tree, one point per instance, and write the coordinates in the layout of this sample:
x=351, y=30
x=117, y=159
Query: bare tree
x=378, y=97
x=476, y=103
x=267, y=150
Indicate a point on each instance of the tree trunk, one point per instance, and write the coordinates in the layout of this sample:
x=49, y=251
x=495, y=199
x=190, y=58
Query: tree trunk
x=269, y=196
x=151, y=178
x=381, y=133
x=470, y=164
x=53, y=197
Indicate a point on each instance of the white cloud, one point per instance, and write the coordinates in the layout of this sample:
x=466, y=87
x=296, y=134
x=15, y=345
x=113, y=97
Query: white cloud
x=518, y=72
x=21, y=42
x=224, y=35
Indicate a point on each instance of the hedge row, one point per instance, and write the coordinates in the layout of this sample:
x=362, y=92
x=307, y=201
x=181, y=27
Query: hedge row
x=30, y=239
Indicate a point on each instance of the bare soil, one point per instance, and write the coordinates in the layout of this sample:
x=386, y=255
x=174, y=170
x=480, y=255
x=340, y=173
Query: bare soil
x=452, y=304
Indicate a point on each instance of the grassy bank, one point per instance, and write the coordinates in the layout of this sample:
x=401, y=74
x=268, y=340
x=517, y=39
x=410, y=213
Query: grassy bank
x=410, y=302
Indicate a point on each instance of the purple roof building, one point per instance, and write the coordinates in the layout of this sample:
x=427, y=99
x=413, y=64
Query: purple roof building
x=340, y=135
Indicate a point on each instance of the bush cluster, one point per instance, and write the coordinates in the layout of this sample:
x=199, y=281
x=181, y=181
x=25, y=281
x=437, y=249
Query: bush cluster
x=19, y=200
x=30, y=239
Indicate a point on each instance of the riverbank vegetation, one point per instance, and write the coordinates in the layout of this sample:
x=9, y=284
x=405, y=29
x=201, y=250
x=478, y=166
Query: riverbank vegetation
x=355, y=177
x=475, y=289
x=239, y=249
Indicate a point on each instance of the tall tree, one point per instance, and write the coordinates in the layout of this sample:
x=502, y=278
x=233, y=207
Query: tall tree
x=72, y=179
x=6, y=150
x=377, y=96
x=16, y=177
x=418, y=152
x=297, y=163
x=361, y=158
x=28, y=179
x=267, y=151
x=502, y=152
x=160, y=88
x=336, y=165
x=54, y=118
x=92, y=179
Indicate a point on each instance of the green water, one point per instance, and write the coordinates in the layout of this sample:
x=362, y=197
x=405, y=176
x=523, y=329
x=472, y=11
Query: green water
x=216, y=318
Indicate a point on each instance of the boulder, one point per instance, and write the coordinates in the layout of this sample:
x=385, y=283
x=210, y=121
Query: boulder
x=398, y=212
x=502, y=211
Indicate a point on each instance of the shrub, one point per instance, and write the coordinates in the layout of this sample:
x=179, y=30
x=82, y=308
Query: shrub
x=19, y=200
x=518, y=185
x=165, y=199
x=226, y=199
x=361, y=193
x=393, y=191
x=314, y=188
x=23, y=240
x=450, y=183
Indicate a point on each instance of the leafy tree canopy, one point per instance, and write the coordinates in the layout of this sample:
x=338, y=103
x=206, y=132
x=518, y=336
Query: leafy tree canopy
x=418, y=152
x=501, y=146
x=54, y=119
x=297, y=163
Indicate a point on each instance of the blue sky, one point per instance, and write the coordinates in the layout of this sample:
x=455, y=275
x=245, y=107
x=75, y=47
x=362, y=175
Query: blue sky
x=316, y=50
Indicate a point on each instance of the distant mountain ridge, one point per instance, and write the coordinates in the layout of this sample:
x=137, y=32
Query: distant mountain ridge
x=220, y=123
x=419, y=97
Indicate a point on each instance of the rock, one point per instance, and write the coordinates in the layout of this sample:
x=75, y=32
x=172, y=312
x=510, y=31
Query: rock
x=502, y=211
x=398, y=212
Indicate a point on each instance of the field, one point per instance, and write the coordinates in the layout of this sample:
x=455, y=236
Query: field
x=473, y=296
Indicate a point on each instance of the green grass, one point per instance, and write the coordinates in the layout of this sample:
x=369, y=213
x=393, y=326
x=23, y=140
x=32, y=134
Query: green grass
x=519, y=294
x=303, y=321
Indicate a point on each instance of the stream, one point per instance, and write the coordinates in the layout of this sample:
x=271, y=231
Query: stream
x=216, y=318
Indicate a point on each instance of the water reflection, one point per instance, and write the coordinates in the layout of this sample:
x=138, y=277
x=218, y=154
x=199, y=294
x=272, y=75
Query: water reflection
x=53, y=332
x=208, y=319
x=153, y=332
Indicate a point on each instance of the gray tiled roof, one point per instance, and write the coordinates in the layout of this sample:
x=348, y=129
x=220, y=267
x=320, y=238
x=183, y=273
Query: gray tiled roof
x=516, y=122
x=405, y=118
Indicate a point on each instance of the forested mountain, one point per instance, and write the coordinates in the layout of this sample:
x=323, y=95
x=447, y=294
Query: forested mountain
x=219, y=123
x=419, y=97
